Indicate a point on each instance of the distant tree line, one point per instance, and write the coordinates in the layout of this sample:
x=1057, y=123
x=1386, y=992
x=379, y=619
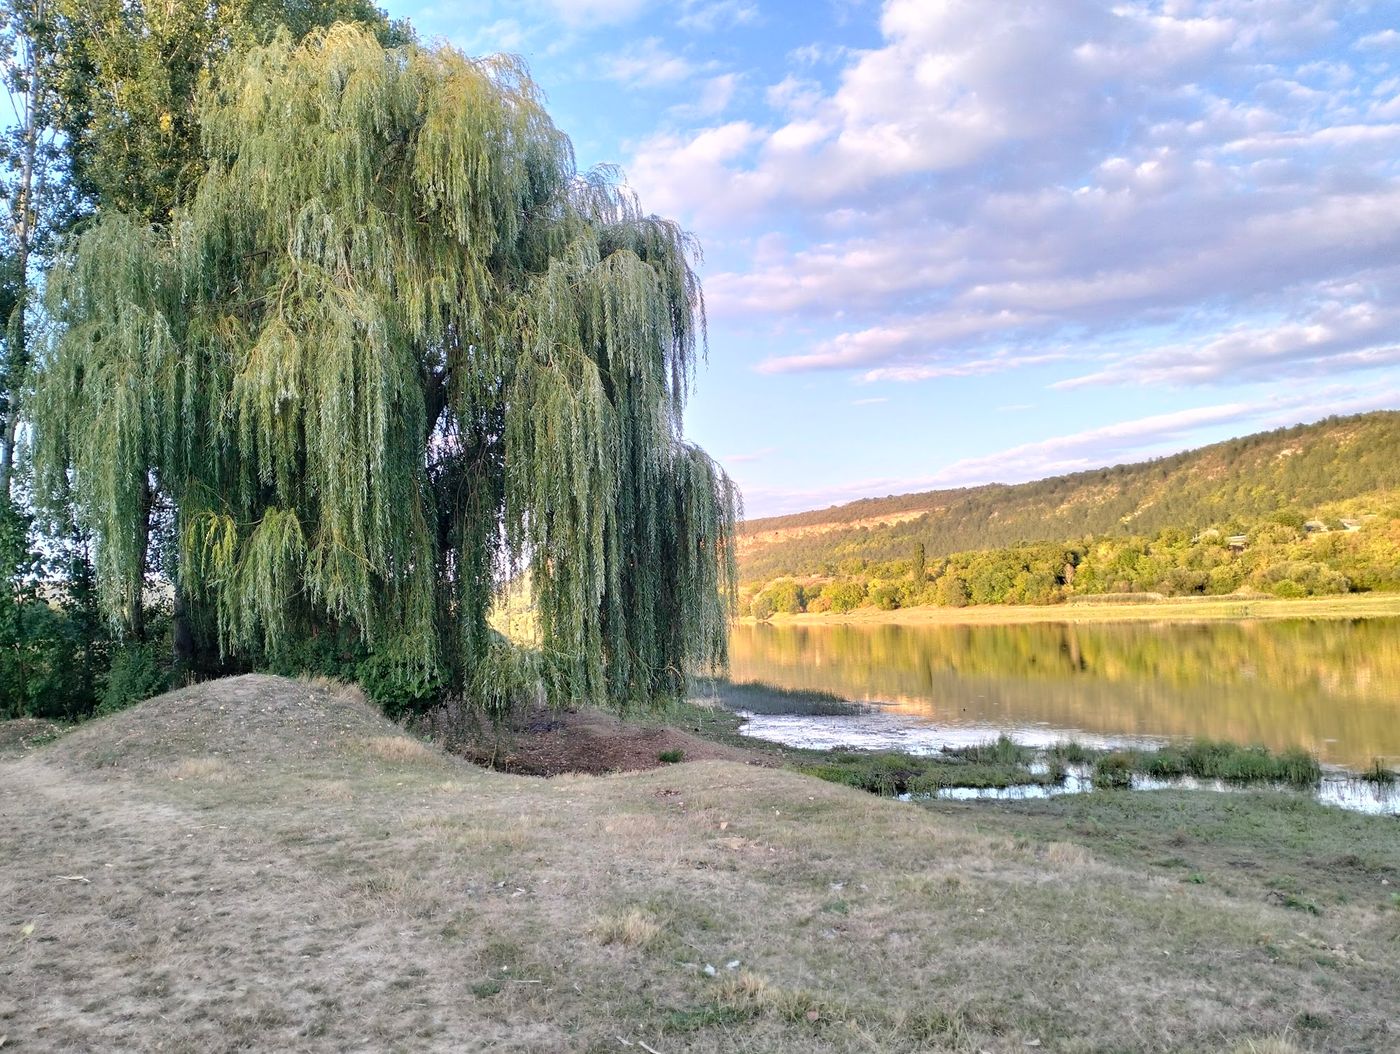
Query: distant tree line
x=1284, y=555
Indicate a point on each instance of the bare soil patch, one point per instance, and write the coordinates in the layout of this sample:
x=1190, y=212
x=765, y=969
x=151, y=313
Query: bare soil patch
x=23, y=734
x=550, y=742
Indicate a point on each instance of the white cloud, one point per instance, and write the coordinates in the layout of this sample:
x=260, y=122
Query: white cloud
x=713, y=98
x=586, y=13
x=647, y=63
x=1054, y=176
x=915, y=339
x=1333, y=337
x=1384, y=40
x=706, y=16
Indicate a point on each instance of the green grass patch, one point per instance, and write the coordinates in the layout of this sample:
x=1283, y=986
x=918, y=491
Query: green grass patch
x=671, y=757
x=889, y=774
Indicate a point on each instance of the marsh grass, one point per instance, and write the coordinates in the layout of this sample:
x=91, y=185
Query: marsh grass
x=1074, y=753
x=760, y=697
x=1002, y=751
x=1209, y=760
x=1378, y=773
x=890, y=774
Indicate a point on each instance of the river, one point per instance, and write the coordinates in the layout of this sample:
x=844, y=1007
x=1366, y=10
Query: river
x=1330, y=686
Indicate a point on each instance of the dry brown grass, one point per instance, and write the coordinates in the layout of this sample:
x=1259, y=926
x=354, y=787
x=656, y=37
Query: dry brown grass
x=632, y=928
x=1266, y=1046
x=212, y=770
x=397, y=749
x=325, y=900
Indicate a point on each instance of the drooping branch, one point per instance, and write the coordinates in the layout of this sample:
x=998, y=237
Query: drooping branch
x=394, y=346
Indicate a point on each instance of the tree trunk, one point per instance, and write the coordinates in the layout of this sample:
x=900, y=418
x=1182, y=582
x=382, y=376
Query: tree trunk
x=136, y=603
x=23, y=209
x=182, y=634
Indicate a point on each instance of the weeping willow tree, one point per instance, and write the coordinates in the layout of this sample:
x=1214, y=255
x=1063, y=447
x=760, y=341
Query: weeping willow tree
x=395, y=350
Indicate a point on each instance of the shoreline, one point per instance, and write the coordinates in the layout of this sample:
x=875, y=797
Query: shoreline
x=1177, y=609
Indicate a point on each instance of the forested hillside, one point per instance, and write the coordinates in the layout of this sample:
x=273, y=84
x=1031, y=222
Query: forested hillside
x=1340, y=461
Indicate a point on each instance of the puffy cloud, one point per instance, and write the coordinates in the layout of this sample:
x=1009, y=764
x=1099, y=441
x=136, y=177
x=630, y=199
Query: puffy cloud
x=1384, y=40
x=1336, y=336
x=648, y=64
x=986, y=191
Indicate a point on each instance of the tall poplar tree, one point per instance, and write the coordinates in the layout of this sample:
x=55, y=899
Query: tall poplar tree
x=394, y=349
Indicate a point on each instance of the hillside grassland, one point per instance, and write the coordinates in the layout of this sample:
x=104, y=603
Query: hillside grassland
x=1341, y=462
x=1306, y=511
x=259, y=863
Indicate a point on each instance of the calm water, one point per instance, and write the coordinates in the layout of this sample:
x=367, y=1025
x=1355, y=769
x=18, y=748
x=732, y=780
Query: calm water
x=1332, y=687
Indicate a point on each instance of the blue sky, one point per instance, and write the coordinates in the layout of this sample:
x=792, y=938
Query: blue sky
x=955, y=241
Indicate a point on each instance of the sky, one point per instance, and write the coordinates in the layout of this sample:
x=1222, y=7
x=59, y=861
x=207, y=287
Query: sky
x=950, y=242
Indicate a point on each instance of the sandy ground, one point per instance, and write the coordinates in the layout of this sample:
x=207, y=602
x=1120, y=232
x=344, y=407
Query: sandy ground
x=262, y=864
x=1175, y=609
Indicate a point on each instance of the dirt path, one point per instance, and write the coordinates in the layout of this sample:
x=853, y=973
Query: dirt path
x=157, y=927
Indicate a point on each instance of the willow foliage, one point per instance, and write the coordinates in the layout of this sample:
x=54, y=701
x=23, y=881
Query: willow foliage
x=394, y=350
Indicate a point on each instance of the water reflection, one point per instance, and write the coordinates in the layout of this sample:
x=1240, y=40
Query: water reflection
x=1332, y=687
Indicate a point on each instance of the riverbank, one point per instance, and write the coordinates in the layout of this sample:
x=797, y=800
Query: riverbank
x=1173, y=609
x=268, y=864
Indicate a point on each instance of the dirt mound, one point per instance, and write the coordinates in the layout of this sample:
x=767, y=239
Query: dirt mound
x=235, y=720
x=545, y=742
x=23, y=734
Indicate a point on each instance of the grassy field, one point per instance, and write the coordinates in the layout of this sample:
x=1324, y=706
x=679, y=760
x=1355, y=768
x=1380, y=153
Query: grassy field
x=268, y=864
x=1174, y=609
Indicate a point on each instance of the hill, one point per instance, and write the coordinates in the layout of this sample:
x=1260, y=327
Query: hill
x=1340, y=465
x=264, y=864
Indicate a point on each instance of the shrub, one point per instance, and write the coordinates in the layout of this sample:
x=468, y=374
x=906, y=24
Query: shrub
x=394, y=681
x=1114, y=770
x=136, y=673
x=845, y=596
x=952, y=592
x=885, y=596
x=671, y=757
x=786, y=596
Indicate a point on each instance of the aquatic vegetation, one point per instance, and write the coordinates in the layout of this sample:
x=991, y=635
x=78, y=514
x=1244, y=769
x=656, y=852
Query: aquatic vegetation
x=1002, y=751
x=1114, y=770
x=1209, y=760
x=1073, y=753
x=1378, y=773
